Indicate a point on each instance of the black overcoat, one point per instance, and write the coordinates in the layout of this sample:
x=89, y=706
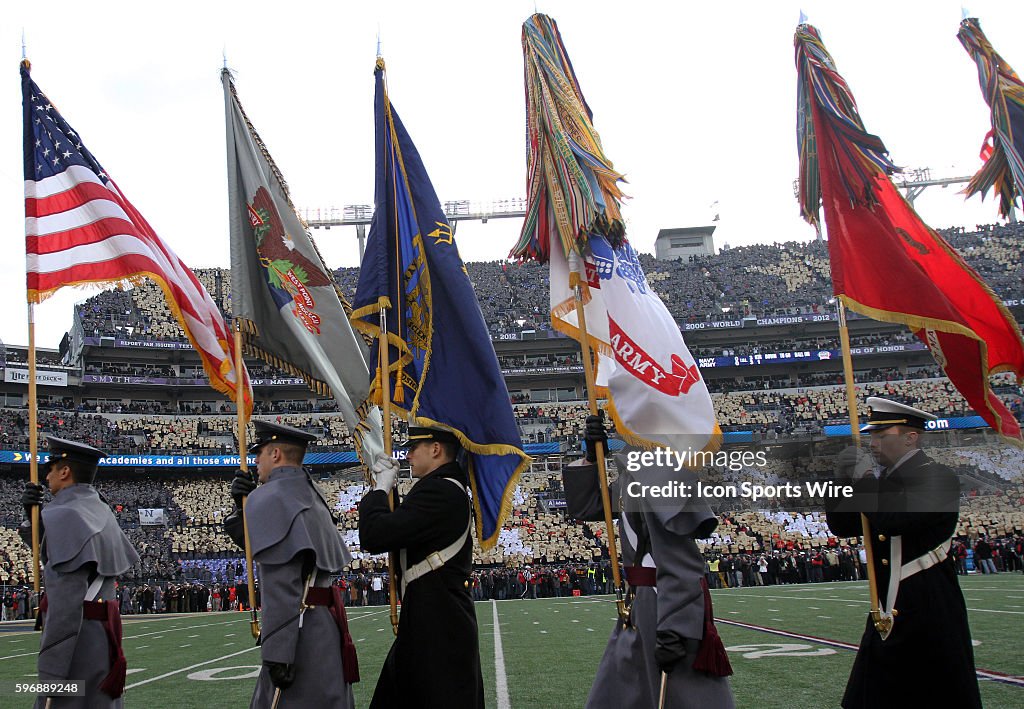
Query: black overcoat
x=435, y=660
x=928, y=659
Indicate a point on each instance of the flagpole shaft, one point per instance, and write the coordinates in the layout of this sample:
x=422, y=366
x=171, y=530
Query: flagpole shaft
x=602, y=474
x=851, y=404
x=33, y=442
x=385, y=406
x=243, y=463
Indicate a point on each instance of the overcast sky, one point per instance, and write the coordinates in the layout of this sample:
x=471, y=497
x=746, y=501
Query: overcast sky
x=695, y=103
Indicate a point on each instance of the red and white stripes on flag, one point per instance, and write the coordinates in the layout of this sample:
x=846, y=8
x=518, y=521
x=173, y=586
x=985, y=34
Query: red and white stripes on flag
x=80, y=230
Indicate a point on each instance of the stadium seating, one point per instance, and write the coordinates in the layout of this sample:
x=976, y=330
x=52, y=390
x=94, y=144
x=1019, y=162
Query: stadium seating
x=760, y=280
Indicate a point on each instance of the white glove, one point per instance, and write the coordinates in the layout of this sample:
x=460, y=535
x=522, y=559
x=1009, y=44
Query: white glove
x=853, y=462
x=385, y=472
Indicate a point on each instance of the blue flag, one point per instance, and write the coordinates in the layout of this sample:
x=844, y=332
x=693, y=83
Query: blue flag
x=442, y=368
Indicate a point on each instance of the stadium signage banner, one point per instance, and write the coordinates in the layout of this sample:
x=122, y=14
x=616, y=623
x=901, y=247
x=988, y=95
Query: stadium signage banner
x=772, y=321
x=173, y=381
x=959, y=422
x=712, y=325
x=803, y=356
x=152, y=516
x=543, y=369
x=51, y=379
x=125, y=379
x=146, y=344
x=142, y=460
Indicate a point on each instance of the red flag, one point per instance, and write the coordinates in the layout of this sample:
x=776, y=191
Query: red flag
x=889, y=265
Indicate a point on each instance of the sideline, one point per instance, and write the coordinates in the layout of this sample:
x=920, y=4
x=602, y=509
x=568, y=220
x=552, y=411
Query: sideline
x=500, y=681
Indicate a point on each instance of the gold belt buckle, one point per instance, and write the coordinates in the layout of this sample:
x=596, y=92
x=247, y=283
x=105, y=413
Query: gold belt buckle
x=430, y=560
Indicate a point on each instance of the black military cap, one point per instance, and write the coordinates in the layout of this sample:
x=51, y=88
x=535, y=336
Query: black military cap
x=884, y=413
x=61, y=449
x=425, y=434
x=267, y=432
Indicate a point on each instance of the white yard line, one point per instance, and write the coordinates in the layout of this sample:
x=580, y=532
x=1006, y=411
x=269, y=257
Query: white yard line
x=808, y=598
x=188, y=627
x=24, y=654
x=500, y=681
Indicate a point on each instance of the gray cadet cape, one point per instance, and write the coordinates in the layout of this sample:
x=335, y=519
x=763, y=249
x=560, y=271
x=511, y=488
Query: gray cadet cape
x=628, y=676
x=290, y=525
x=81, y=540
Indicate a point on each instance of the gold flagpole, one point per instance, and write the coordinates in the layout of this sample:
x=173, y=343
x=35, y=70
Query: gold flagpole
x=385, y=405
x=243, y=463
x=881, y=624
x=33, y=443
x=588, y=370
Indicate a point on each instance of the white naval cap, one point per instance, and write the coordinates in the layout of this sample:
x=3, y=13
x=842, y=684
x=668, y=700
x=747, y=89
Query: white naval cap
x=883, y=413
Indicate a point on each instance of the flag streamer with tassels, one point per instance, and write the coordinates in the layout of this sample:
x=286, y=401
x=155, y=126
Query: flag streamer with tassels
x=443, y=371
x=1003, y=90
x=886, y=262
x=572, y=188
x=291, y=310
x=655, y=393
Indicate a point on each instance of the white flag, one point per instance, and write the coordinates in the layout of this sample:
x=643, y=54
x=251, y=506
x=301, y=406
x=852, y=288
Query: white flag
x=655, y=392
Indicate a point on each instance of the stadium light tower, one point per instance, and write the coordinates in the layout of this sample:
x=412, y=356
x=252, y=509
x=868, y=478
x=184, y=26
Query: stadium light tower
x=914, y=181
x=359, y=215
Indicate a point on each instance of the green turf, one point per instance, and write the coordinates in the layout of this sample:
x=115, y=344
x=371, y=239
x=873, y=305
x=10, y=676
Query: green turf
x=551, y=647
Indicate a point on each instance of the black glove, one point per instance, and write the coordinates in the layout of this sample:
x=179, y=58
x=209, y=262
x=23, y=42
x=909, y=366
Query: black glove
x=595, y=433
x=670, y=650
x=31, y=496
x=241, y=485
x=234, y=528
x=281, y=675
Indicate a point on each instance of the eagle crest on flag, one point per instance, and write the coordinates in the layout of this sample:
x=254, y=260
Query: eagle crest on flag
x=289, y=273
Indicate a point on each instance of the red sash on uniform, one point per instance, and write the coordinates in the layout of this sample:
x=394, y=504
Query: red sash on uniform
x=43, y=605
x=109, y=615
x=331, y=597
x=711, y=658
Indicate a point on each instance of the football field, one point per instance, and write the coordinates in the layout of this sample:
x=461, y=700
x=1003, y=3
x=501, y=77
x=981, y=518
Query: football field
x=790, y=646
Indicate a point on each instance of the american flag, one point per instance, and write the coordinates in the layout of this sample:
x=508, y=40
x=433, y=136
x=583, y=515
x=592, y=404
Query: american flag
x=80, y=230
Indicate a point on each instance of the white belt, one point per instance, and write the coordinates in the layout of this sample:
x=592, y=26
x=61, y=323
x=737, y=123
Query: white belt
x=926, y=560
x=435, y=559
x=94, y=588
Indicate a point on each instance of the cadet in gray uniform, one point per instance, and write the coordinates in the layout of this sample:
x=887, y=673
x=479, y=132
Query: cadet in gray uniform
x=307, y=651
x=671, y=620
x=83, y=549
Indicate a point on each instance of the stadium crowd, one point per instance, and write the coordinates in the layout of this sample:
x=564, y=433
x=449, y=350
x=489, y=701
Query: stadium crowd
x=761, y=280
x=769, y=413
x=188, y=564
x=753, y=545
